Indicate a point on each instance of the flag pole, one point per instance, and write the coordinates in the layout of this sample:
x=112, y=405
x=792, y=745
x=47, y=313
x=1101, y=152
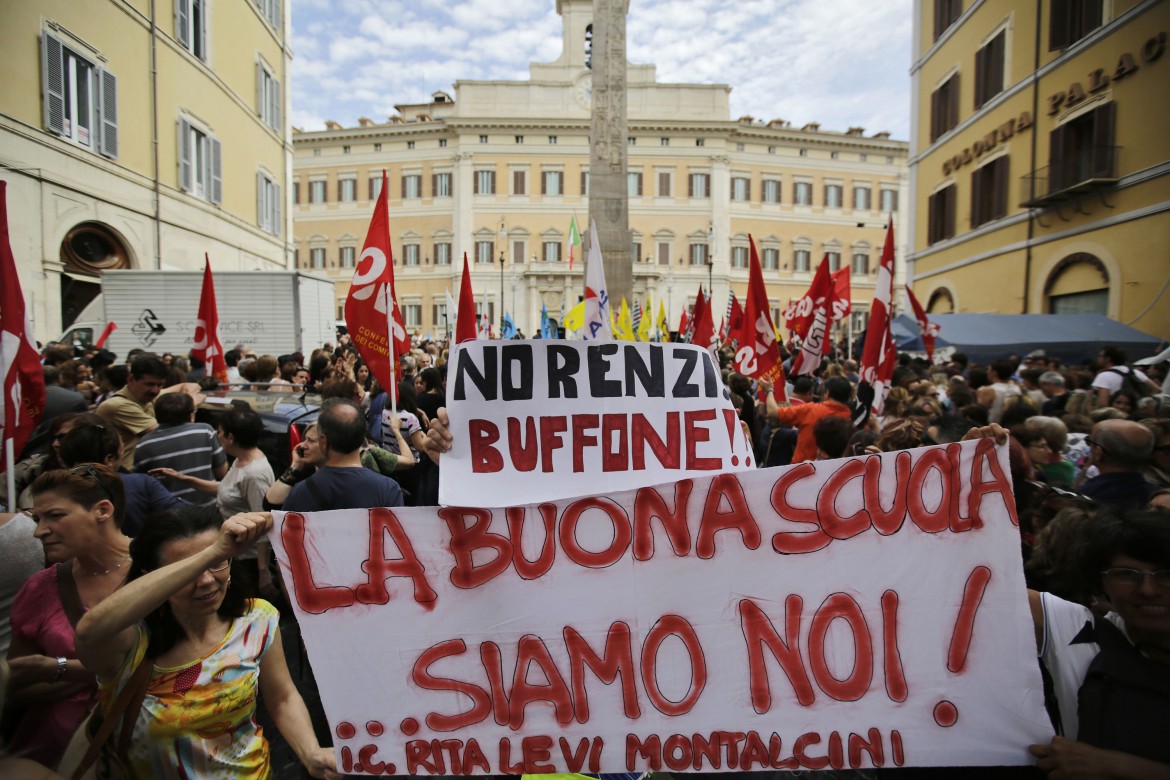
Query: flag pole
x=393, y=389
x=10, y=473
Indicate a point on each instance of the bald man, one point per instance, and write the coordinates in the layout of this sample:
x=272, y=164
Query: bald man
x=1120, y=449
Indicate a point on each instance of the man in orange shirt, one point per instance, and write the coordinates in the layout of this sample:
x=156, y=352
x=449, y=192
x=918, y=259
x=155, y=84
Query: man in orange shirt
x=805, y=416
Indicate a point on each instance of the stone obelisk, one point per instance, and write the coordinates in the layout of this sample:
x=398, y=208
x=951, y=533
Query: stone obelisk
x=608, y=193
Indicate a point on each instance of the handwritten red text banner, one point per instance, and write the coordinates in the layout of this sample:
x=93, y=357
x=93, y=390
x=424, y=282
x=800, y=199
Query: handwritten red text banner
x=867, y=612
x=581, y=415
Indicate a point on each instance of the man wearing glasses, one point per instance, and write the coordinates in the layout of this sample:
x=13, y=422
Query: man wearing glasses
x=1120, y=449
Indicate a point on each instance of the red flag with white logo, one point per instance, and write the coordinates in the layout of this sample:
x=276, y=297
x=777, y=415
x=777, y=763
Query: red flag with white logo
x=928, y=328
x=842, y=295
x=759, y=352
x=23, y=401
x=465, y=320
x=877, y=361
x=207, y=345
x=815, y=342
x=371, y=308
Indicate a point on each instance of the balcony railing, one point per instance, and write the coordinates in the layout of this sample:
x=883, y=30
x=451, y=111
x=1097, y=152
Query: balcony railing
x=1094, y=167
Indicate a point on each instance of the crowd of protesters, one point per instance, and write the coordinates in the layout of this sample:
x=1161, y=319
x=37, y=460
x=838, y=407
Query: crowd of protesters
x=152, y=525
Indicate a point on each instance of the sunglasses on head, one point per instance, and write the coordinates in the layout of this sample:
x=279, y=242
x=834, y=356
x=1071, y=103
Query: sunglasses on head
x=87, y=470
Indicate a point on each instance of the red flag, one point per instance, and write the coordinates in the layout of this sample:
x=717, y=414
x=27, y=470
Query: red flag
x=842, y=295
x=465, y=321
x=816, y=342
x=371, y=308
x=733, y=320
x=207, y=345
x=759, y=351
x=877, y=361
x=928, y=328
x=111, y=326
x=703, y=327
x=20, y=365
x=682, y=323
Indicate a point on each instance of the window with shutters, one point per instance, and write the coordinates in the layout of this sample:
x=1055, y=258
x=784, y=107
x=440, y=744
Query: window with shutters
x=347, y=190
x=833, y=196
x=191, y=26
x=771, y=259
x=410, y=144
x=634, y=184
x=771, y=191
x=317, y=191
x=860, y=264
x=944, y=107
x=946, y=13
x=989, y=69
x=862, y=199
x=268, y=96
x=664, y=184
x=441, y=185
x=519, y=139
x=442, y=143
x=664, y=253
x=636, y=251
x=270, y=10
x=485, y=183
x=519, y=182
x=518, y=248
x=80, y=98
x=552, y=252
x=699, y=185
x=940, y=212
x=412, y=315
x=699, y=254
x=268, y=204
x=584, y=183
x=375, y=187
x=348, y=256
x=1071, y=20
x=741, y=188
x=552, y=140
x=889, y=203
x=552, y=183
x=443, y=253
x=834, y=260
x=989, y=188
x=411, y=254
x=801, y=260
x=802, y=193
x=200, y=163
x=412, y=185
x=484, y=251
x=439, y=317
x=296, y=198
x=317, y=257
x=739, y=257
x=1081, y=150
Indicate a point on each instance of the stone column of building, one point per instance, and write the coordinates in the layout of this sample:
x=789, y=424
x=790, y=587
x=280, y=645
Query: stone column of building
x=463, y=218
x=608, y=194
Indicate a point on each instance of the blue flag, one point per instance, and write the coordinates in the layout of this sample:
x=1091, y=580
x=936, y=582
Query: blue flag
x=545, y=329
x=509, y=326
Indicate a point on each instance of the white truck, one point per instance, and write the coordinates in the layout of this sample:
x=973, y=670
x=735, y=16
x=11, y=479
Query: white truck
x=272, y=312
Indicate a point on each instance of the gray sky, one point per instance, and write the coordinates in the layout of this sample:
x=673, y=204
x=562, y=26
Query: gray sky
x=842, y=63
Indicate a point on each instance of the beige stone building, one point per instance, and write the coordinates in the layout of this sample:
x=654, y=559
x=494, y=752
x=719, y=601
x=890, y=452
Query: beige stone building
x=499, y=170
x=132, y=140
x=1040, y=175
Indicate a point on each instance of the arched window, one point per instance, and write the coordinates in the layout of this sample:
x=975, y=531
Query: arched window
x=941, y=302
x=1078, y=285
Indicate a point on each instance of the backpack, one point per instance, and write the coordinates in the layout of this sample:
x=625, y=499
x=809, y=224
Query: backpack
x=1129, y=381
x=1124, y=702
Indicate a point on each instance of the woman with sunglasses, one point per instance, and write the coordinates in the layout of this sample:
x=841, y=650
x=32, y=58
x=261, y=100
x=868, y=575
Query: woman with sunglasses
x=211, y=649
x=78, y=515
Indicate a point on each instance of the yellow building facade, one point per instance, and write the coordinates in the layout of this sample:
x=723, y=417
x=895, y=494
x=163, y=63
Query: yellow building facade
x=1039, y=174
x=139, y=134
x=500, y=170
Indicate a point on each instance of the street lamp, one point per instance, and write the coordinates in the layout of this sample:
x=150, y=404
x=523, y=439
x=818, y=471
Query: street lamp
x=503, y=241
x=710, y=260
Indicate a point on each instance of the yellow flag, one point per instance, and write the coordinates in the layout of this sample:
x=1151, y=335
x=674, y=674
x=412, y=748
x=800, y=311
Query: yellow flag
x=575, y=317
x=623, y=329
x=647, y=322
x=662, y=325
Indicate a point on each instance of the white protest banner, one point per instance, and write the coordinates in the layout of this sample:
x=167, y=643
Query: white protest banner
x=583, y=417
x=867, y=612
